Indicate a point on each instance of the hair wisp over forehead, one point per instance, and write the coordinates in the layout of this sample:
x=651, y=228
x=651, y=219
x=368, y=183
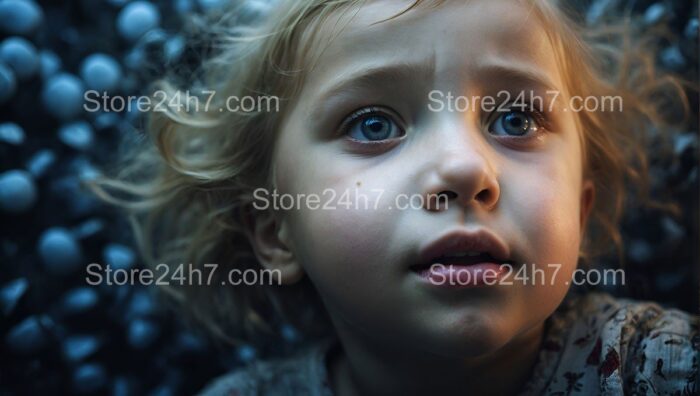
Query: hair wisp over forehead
x=186, y=185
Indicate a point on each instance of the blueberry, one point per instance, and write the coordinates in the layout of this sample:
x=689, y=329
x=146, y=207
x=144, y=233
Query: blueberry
x=19, y=16
x=673, y=232
x=246, y=353
x=672, y=58
x=89, y=378
x=71, y=191
x=40, y=162
x=11, y=133
x=88, y=228
x=101, y=73
x=79, y=347
x=684, y=142
x=80, y=300
x=63, y=96
x=135, y=58
x=153, y=39
x=142, y=333
x=597, y=9
x=119, y=256
x=183, y=6
x=21, y=56
x=106, y=120
x=78, y=135
x=640, y=251
x=173, y=48
x=656, y=13
x=141, y=304
x=8, y=83
x=289, y=333
x=137, y=18
x=17, y=191
x=85, y=170
x=123, y=386
x=59, y=251
x=28, y=336
x=49, y=62
x=11, y=293
x=691, y=29
x=188, y=342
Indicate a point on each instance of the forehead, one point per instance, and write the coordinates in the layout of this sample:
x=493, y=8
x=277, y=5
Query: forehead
x=454, y=37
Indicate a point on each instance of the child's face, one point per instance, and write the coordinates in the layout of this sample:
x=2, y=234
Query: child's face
x=526, y=189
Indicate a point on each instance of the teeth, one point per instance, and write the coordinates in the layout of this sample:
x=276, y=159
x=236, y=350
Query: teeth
x=464, y=254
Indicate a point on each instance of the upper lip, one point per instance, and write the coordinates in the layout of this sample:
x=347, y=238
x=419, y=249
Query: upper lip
x=458, y=241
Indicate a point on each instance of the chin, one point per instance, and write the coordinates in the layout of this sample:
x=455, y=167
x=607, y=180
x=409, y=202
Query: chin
x=468, y=338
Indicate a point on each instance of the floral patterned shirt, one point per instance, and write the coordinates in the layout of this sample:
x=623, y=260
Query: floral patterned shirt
x=593, y=344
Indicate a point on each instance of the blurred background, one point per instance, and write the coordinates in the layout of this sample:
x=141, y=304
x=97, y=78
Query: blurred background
x=60, y=335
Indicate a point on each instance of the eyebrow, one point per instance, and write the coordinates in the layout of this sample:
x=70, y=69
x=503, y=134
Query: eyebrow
x=514, y=72
x=502, y=70
x=383, y=75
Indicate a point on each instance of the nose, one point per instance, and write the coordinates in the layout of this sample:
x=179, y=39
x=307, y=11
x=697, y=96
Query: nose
x=463, y=175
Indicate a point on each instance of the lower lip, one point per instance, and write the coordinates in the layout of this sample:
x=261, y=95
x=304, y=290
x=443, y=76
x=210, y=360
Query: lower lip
x=462, y=276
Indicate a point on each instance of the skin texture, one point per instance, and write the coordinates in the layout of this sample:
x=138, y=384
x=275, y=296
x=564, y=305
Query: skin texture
x=399, y=334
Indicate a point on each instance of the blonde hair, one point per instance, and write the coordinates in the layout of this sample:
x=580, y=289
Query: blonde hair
x=186, y=185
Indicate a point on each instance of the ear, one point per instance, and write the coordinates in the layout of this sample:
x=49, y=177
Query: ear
x=587, y=200
x=268, y=235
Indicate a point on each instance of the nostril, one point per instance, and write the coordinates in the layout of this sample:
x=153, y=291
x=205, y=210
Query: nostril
x=483, y=196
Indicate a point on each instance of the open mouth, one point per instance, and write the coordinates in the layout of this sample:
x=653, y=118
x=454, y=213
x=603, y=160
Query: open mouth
x=461, y=250
x=464, y=259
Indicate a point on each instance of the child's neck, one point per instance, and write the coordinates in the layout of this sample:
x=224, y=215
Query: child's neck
x=365, y=368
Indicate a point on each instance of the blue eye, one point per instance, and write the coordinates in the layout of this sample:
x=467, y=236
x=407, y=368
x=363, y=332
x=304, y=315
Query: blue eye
x=514, y=123
x=369, y=126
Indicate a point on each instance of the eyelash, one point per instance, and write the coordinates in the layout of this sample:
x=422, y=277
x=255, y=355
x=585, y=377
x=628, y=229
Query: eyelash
x=543, y=123
x=359, y=114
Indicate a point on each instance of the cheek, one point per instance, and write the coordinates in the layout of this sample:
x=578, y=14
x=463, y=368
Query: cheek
x=347, y=256
x=345, y=239
x=546, y=204
x=544, y=212
x=344, y=250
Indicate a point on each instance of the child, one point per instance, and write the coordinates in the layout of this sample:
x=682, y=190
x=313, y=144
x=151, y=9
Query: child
x=449, y=268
